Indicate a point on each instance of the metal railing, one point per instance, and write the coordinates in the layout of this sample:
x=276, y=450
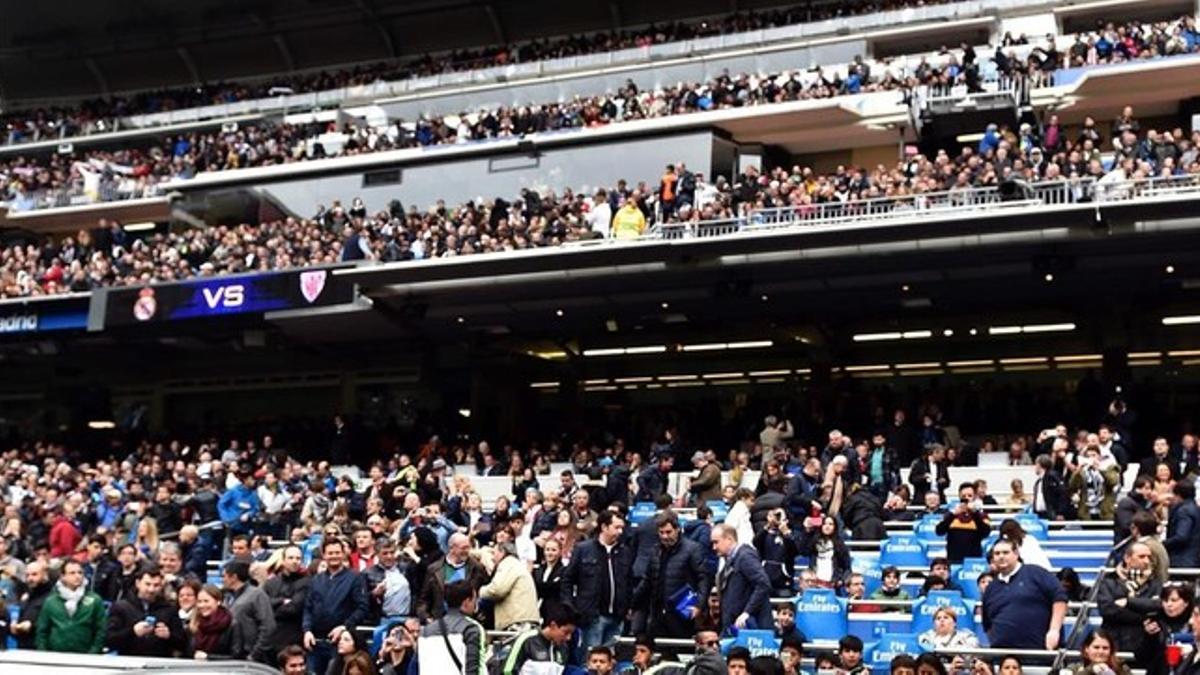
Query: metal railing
x=78, y=194
x=961, y=203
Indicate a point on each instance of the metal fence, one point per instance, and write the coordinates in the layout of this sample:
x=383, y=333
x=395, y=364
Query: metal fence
x=965, y=202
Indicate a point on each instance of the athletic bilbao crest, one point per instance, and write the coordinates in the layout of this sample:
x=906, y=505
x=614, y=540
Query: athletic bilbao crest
x=312, y=283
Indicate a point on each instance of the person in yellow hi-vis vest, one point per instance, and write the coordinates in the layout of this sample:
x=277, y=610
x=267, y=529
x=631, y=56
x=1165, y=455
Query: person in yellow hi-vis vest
x=630, y=222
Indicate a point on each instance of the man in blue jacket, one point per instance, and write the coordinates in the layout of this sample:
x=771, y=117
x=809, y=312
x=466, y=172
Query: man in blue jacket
x=1183, y=527
x=239, y=506
x=337, y=601
x=744, y=587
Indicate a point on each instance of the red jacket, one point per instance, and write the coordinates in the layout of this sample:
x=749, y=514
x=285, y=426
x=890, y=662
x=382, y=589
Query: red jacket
x=64, y=538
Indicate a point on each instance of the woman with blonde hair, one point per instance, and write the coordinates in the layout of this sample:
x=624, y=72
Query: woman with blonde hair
x=210, y=627
x=146, y=539
x=945, y=632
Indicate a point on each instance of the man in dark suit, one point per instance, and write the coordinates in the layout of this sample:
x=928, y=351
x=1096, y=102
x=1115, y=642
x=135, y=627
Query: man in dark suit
x=1049, y=493
x=743, y=586
x=1183, y=527
x=929, y=473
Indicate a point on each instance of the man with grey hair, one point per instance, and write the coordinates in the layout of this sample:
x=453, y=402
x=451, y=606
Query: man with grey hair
x=456, y=565
x=743, y=586
x=772, y=436
x=512, y=590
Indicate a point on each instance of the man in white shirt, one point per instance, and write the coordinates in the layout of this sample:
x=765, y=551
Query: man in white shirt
x=599, y=219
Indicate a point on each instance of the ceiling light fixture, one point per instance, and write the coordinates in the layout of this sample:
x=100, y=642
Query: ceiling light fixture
x=1181, y=320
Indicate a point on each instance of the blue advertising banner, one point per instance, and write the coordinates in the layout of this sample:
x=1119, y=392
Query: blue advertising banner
x=224, y=296
x=29, y=317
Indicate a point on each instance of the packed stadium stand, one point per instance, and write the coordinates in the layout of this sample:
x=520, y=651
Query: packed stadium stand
x=521, y=338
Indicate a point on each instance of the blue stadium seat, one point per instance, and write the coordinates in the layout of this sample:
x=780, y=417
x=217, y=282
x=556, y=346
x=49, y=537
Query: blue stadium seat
x=379, y=633
x=887, y=646
x=759, y=642
x=821, y=614
x=309, y=548
x=641, y=512
x=924, y=609
x=925, y=528
x=967, y=574
x=719, y=509
x=869, y=625
x=1033, y=526
x=871, y=570
x=904, y=550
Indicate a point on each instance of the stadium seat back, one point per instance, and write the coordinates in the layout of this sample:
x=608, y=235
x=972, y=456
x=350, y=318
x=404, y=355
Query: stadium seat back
x=1033, y=526
x=759, y=642
x=924, y=609
x=926, y=528
x=719, y=510
x=967, y=574
x=821, y=615
x=871, y=570
x=379, y=633
x=641, y=512
x=889, y=645
x=904, y=550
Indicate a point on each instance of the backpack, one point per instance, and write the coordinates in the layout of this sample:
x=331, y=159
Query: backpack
x=501, y=650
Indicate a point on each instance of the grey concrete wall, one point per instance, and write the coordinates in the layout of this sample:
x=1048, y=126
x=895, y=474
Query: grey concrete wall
x=578, y=167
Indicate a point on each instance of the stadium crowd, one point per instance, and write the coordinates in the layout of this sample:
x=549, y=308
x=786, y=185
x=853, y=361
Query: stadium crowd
x=113, y=553
x=99, y=115
x=1084, y=157
x=99, y=175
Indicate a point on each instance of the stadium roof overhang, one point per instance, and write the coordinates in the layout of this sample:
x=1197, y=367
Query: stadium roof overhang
x=1153, y=88
x=844, y=279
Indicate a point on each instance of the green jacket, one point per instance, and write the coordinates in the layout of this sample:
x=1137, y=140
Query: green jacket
x=83, y=633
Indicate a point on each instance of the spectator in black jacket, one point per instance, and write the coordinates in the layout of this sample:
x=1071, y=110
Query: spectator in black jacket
x=1049, y=491
x=1137, y=500
x=287, y=592
x=677, y=568
x=863, y=514
x=965, y=527
x=598, y=581
x=929, y=473
x=194, y=550
x=37, y=589
x=778, y=550
x=101, y=566
x=337, y=601
x=1128, y=597
x=652, y=481
x=547, y=577
x=121, y=583
x=144, y=623
x=165, y=511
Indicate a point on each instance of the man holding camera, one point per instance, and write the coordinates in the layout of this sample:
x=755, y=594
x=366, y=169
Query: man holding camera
x=146, y=624
x=965, y=527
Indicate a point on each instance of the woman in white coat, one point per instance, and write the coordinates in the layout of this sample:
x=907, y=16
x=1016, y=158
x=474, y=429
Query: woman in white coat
x=739, y=516
x=1029, y=550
